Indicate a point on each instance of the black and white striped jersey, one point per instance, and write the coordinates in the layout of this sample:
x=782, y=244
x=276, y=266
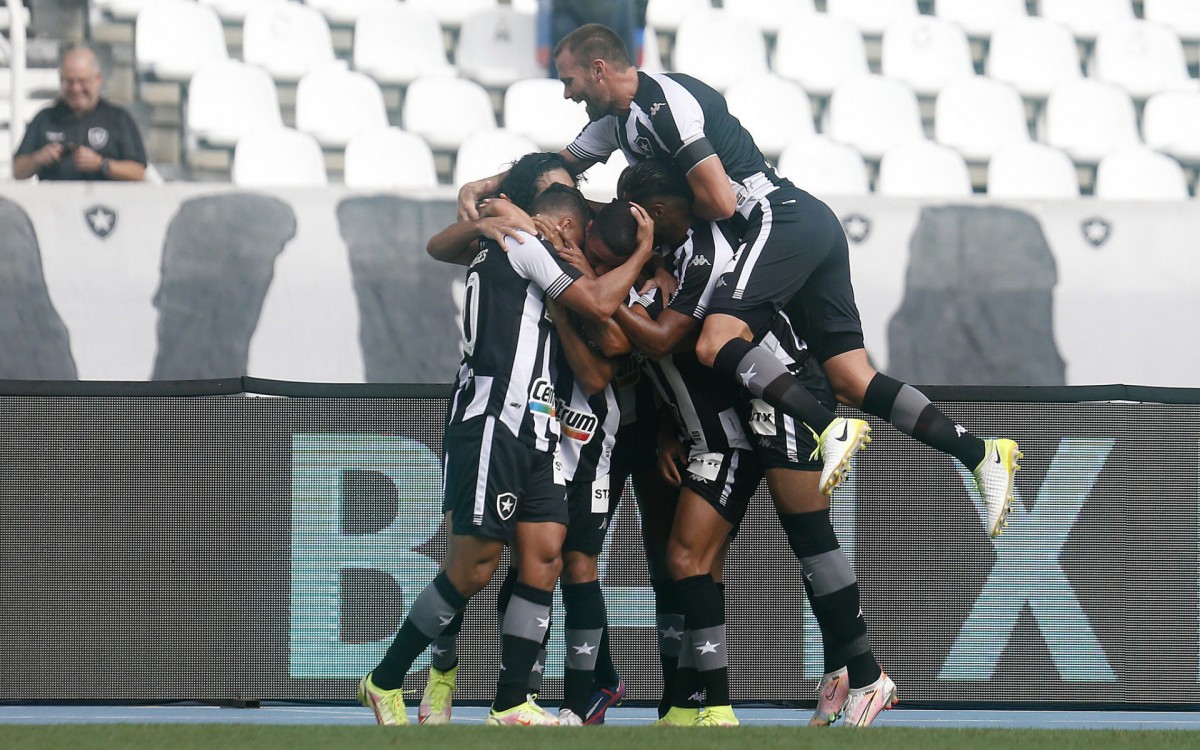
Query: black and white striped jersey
x=509, y=342
x=703, y=404
x=588, y=424
x=680, y=117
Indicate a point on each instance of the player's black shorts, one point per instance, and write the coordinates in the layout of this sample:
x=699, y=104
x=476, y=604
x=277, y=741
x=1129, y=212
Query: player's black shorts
x=794, y=256
x=780, y=441
x=492, y=480
x=726, y=480
x=591, y=506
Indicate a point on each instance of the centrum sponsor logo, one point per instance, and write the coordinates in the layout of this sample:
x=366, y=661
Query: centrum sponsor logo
x=541, y=397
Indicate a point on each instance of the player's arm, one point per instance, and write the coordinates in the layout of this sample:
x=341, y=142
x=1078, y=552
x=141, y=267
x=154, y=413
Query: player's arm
x=714, y=195
x=593, y=371
x=470, y=194
x=459, y=242
x=670, y=332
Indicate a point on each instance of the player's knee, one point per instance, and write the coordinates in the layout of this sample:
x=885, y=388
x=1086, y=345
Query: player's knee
x=708, y=346
x=684, y=562
x=580, y=567
x=542, y=573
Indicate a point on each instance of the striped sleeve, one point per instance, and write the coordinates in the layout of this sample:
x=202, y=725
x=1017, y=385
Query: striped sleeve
x=536, y=260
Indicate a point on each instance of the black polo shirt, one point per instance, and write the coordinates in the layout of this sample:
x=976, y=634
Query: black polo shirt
x=108, y=130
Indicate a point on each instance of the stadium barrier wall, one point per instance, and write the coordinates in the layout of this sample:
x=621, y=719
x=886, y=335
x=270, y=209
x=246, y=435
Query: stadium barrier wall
x=244, y=539
x=199, y=281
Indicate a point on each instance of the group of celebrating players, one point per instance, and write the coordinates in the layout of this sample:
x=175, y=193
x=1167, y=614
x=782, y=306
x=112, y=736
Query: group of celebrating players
x=695, y=335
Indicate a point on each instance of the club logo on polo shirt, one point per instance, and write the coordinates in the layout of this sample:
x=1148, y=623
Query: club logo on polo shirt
x=97, y=138
x=506, y=505
x=102, y=220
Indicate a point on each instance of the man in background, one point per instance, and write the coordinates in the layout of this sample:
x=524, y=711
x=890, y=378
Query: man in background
x=81, y=136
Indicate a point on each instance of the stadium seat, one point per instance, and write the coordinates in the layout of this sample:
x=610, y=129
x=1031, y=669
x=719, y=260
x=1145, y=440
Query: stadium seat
x=234, y=11
x=927, y=52
x=1034, y=55
x=398, y=44
x=228, y=99
x=287, y=40
x=1032, y=171
x=333, y=104
x=487, y=152
x=389, y=158
x=536, y=109
x=347, y=12
x=819, y=53
x=979, y=18
x=769, y=15
x=666, y=15
x=774, y=110
x=1169, y=124
x=1142, y=57
x=444, y=110
x=921, y=169
x=871, y=16
x=173, y=38
x=1181, y=15
x=498, y=47
x=823, y=167
x=977, y=116
x=1088, y=119
x=651, y=52
x=1138, y=173
x=1085, y=18
x=278, y=157
x=451, y=13
x=599, y=183
x=873, y=113
x=719, y=48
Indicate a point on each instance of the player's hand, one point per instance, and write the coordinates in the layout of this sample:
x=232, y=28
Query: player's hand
x=671, y=459
x=662, y=280
x=86, y=160
x=498, y=227
x=645, y=231
x=471, y=194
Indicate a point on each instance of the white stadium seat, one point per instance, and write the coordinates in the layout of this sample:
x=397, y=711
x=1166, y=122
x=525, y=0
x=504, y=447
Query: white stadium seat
x=536, y=109
x=347, y=12
x=444, y=111
x=173, y=38
x=389, y=158
x=873, y=113
x=278, y=157
x=1141, y=57
x=769, y=15
x=1085, y=18
x=1138, y=173
x=1181, y=15
x=1088, y=119
x=287, y=40
x=234, y=11
x=979, y=18
x=651, y=52
x=1169, y=124
x=719, y=48
x=498, y=47
x=823, y=167
x=334, y=104
x=923, y=169
x=927, y=52
x=819, y=53
x=487, y=152
x=871, y=16
x=228, y=99
x=399, y=44
x=977, y=116
x=774, y=110
x=1032, y=171
x=666, y=15
x=1034, y=55
x=599, y=183
x=451, y=13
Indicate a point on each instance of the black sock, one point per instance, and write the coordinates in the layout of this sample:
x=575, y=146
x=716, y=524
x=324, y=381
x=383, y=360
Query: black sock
x=759, y=371
x=525, y=623
x=438, y=603
x=832, y=590
x=909, y=411
x=669, y=624
x=444, y=649
x=704, y=618
x=585, y=620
